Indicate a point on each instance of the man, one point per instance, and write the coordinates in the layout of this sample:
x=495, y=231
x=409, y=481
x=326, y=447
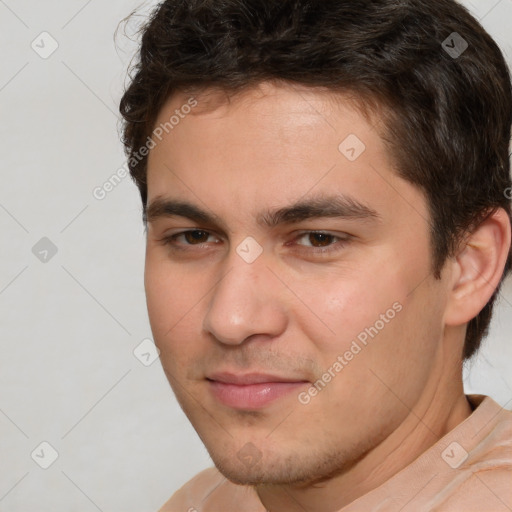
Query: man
x=324, y=186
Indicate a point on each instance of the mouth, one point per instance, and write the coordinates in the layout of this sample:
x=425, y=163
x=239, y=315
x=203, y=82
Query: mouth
x=251, y=391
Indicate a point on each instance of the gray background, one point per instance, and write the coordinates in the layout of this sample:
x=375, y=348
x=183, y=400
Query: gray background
x=69, y=324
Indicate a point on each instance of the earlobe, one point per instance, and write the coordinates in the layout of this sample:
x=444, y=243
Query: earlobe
x=478, y=268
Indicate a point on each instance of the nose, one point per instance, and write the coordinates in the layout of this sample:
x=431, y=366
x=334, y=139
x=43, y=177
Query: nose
x=246, y=302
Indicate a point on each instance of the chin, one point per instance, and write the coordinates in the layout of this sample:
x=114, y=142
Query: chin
x=262, y=475
x=272, y=469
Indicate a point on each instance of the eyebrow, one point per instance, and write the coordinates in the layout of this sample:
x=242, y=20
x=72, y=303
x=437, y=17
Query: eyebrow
x=333, y=206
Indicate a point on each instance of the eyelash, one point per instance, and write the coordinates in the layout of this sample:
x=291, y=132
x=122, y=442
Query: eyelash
x=339, y=245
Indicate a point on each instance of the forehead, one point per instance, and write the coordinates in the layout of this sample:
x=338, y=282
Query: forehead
x=271, y=145
x=268, y=121
x=271, y=97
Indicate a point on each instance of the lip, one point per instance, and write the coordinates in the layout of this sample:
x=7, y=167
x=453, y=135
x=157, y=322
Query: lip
x=249, y=378
x=252, y=390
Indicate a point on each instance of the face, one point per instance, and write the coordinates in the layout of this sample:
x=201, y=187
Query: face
x=288, y=281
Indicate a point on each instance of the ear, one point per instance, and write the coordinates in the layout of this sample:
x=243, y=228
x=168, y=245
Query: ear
x=478, y=268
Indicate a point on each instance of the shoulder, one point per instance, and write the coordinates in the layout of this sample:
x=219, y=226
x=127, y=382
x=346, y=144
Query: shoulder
x=210, y=491
x=483, y=481
x=484, y=490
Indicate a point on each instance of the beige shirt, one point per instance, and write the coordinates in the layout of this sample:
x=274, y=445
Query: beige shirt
x=469, y=469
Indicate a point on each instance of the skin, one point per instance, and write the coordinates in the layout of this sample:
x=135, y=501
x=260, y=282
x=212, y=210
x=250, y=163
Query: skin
x=294, y=310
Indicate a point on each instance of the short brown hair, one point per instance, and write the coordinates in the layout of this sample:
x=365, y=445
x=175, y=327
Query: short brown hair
x=448, y=107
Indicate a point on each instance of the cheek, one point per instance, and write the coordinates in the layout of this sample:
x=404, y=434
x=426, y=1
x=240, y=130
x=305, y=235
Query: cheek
x=160, y=298
x=174, y=309
x=172, y=299
x=341, y=308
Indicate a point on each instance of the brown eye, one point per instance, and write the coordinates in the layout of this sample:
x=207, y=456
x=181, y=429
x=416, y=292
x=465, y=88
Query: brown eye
x=193, y=237
x=317, y=239
x=320, y=243
x=321, y=239
x=196, y=237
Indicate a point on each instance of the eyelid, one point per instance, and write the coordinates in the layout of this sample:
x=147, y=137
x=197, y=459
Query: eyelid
x=341, y=239
x=339, y=236
x=168, y=238
x=338, y=245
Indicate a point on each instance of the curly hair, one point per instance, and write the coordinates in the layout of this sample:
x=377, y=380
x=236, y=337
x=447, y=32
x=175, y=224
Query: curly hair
x=439, y=81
